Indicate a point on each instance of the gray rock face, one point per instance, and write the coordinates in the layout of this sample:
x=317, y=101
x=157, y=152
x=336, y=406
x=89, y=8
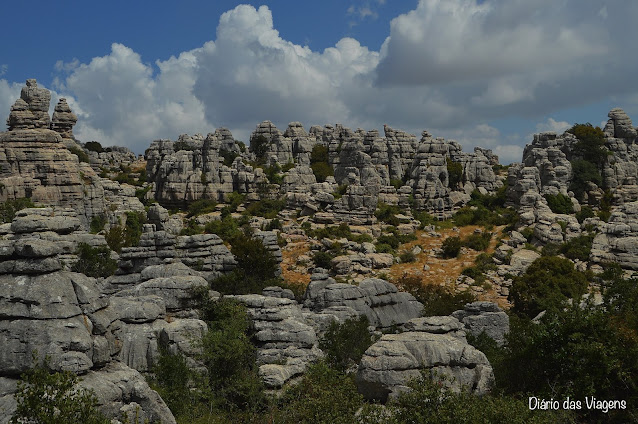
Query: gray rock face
x=434, y=344
x=36, y=163
x=484, y=317
x=618, y=239
x=285, y=340
x=377, y=299
x=121, y=390
x=32, y=109
x=193, y=168
x=204, y=252
x=63, y=119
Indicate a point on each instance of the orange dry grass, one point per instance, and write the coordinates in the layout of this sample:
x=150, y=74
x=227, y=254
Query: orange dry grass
x=291, y=253
x=442, y=271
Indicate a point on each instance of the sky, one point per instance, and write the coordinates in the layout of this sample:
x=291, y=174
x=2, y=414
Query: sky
x=487, y=73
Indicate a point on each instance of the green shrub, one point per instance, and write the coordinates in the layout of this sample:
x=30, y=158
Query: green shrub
x=171, y=381
x=259, y=146
x=591, y=142
x=383, y=248
x=94, y=261
x=319, y=163
x=430, y=402
x=559, y=203
x=322, y=259
x=481, y=215
x=578, y=247
x=437, y=300
x=97, y=224
x=341, y=190
x=386, y=213
x=200, y=207
x=451, y=247
x=584, y=172
x=396, y=183
x=256, y=268
x=119, y=236
x=229, y=357
x=482, y=264
x=577, y=352
x=267, y=208
x=45, y=397
x=547, y=284
x=344, y=344
x=9, y=208
x=141, y=193
x=323, y=396
x=454, y=172
x=235, y=200
x=478, y=241
x=229, y=157
x=94, y=146
x=81, y=154
x=407, y=256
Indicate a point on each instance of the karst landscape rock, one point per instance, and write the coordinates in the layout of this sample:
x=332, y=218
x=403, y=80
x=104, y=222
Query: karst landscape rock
x=345, y=218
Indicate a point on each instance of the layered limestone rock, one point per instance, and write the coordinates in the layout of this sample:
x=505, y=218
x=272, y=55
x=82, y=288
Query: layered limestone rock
x=63, y=119
x=550, y=154
x=204, y=252
x=617, y=240
x=484, y=317
x=286, y=341
x=436, y=345
x=35, y=161
x=377, y=299
x=65, y=316
x=193, y=168
x=31, y=110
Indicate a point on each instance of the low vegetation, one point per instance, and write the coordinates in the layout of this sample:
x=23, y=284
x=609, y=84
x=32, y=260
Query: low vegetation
x=9, y=208
x=94, y=261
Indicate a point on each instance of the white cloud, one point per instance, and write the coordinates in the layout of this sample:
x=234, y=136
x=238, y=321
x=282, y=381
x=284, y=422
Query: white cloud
x=9, y=93
x=551, y=124
x=118, y=100
x=460, y=40
x=3, y=69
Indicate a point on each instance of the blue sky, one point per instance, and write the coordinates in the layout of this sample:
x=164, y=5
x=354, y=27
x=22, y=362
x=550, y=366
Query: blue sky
x=487, y=73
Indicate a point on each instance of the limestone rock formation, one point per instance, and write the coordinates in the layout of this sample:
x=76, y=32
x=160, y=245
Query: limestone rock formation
x=484, y=317
x=434, y=344
x=63, y=119
x=31, y=110
x=377, y=299
x=618, y=239
x=35, y=161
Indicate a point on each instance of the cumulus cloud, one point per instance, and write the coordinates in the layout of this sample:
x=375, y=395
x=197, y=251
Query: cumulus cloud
x=118, y=100
x=551, y=124
x=455, y=40
x=9, y=92
x=508, y=148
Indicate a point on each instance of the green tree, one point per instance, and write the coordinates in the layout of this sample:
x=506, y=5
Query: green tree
x=559, y=203
x=9, y=208
x=259, y=146
x=94, y=146
x=547, y=284
x=584, y=172
x=344, y=344
x=451, y=247
x=319, y=163
x=94, y=261
x=53, y=398
x=454, y=172
x=591, y=142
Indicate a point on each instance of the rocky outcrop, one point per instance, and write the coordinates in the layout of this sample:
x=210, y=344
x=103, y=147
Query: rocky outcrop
x=63, y=119
x=35, y=161
x=286, y=342
x=436, y=345
x=484, y=317
x=203, y=252
x=31, y=110
x=377, y=299
x=618, y=239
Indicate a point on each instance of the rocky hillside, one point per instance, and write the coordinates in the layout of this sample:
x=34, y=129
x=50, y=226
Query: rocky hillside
x=196, y=282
